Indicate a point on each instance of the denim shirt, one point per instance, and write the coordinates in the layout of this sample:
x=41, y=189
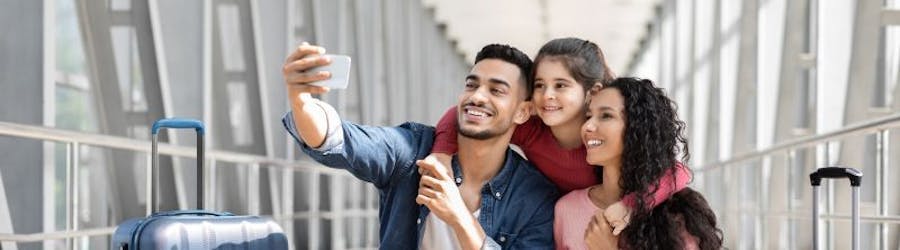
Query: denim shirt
x=516, y=205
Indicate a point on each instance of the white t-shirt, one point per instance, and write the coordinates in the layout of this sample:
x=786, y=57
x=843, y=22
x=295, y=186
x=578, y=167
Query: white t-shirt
x=439, y=235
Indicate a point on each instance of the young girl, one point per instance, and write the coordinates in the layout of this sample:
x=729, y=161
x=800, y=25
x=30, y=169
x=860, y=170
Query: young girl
x=634, y=133
x=565, y=69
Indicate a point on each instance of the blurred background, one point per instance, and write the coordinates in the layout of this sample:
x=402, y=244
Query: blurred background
x=770, y=90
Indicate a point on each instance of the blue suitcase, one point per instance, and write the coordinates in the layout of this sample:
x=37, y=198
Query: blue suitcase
x=194, y=229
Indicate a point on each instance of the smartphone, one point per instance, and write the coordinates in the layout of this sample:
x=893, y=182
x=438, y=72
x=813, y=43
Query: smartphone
x=340, y=72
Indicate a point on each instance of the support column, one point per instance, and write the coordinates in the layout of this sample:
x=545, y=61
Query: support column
x=23, y=83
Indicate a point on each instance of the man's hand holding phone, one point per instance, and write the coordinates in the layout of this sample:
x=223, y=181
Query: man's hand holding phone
x=308, y=70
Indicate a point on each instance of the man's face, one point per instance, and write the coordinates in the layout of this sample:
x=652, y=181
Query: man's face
x=492, y=100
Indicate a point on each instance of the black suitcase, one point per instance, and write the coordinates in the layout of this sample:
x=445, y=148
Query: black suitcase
x=815, y=179
x=194, y=229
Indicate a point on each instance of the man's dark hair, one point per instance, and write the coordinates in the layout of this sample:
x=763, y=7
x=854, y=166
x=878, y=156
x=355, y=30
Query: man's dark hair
x=511, y=55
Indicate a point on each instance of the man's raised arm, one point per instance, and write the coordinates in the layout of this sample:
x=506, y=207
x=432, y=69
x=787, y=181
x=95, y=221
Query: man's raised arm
x=308, y=113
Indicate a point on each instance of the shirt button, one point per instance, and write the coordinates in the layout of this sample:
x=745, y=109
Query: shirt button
x=502, y=238
x=419, y=221
x=497, y=194
x=458, y=180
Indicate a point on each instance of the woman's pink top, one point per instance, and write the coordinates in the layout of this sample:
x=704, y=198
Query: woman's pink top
x=574, y=212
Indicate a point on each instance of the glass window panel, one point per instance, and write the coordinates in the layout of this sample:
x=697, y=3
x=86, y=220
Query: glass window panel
x=139, y=163
x=238, y=114
x=69, y=48
x=230, y=37
x=94, y=188
x=892, y=61
x=59, y=183
x=74, y=105
x=128, y=68
x=833, y=57
x=120, y=5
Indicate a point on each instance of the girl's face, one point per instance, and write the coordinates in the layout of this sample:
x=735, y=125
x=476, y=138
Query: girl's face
x=558, y=98
x=604, y=132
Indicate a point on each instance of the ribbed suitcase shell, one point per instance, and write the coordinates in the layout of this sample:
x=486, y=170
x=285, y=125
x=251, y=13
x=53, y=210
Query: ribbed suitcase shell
x=199, y=230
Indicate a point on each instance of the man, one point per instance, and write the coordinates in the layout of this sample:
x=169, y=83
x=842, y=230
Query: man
x=489, y=198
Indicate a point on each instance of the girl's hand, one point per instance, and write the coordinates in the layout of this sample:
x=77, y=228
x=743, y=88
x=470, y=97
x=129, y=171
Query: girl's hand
x=599, y=234
x=618, y=215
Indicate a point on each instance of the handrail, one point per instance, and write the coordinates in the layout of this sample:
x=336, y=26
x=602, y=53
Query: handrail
x=874, y=125
x=107, y=141
x=56, y=235
x=887, y=219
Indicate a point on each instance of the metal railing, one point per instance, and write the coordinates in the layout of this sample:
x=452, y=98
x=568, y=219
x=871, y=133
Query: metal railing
x=74, y=140
x=879, y=127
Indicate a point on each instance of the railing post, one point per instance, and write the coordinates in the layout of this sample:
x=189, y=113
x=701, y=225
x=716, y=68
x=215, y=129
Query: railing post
x=148, y=181
x=315, y=220
x=287, y=184
x=253, y=189
x=761, y=229
x=882, y=141
x=72, y=159
x=829, y=200
x=68, y=181
x=211, y=184
x=792, y=224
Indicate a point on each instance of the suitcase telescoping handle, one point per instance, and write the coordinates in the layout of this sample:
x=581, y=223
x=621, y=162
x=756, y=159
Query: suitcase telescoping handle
x=855, y=177
x=175, y=123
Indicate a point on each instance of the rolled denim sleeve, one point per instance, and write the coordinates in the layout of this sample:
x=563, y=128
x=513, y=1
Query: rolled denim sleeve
x=334, y=135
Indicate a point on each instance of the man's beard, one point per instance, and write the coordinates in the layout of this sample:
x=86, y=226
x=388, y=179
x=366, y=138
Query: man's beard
x=480, y=135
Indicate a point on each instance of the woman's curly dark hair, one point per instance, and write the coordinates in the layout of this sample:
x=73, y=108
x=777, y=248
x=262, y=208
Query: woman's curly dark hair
x=653, y=139
x=661, y=228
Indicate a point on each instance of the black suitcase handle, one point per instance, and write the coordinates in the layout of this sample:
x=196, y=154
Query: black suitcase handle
x=190, y=212
x=175, y=123
x=854, y=175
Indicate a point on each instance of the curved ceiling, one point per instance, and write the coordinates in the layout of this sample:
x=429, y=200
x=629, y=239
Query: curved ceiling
x=617, y=26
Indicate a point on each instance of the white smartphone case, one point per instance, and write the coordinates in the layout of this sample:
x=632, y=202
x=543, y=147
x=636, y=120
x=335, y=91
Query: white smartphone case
x=340, y=72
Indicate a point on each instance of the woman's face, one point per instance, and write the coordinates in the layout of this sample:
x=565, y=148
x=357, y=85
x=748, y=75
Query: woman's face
x=604, y=131
x=558, y=98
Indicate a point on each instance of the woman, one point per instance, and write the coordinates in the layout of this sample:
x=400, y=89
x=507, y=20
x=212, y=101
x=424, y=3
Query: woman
x=635, y=134
x=565, y=70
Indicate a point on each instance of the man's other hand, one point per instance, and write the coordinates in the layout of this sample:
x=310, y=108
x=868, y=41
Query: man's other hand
x=439, y=193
